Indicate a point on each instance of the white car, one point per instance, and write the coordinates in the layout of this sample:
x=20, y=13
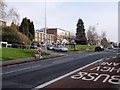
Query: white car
x=60, y=48
x=50, y=47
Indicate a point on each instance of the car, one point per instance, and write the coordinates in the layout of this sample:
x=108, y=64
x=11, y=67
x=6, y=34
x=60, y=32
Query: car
x=99, y=48
x=111, y=47
x=50, y=47
x=34, y=45
x=60, y=48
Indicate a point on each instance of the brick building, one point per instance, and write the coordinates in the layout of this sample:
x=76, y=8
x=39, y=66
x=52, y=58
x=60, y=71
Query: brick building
x=61, y=35
x=40, y=37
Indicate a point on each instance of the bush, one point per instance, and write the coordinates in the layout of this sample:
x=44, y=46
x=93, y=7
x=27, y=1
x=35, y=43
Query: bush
x=14, y=37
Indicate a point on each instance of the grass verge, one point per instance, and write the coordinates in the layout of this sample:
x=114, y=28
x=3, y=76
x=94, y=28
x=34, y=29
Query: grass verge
x=80, y=47
x=15, y=53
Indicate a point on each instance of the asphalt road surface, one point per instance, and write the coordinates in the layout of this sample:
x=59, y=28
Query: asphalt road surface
x=102, y=74
x=32, y=74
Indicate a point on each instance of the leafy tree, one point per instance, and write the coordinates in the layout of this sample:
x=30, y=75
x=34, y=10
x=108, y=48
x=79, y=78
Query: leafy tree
x=13, y=26
x=27, y=28
x=31, y=31
x=24, y=27
x=80, y=35
x=16, y=37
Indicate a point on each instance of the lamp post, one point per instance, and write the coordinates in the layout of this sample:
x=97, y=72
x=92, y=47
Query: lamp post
x=45, y=30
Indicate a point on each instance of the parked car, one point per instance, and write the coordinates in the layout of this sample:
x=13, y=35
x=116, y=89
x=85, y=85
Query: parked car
x=34, y=45
x=99, y=48
x=111, y=47
x=50, y=47
x=60, y=48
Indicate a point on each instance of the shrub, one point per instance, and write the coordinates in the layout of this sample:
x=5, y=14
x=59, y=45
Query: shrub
x=14, y=37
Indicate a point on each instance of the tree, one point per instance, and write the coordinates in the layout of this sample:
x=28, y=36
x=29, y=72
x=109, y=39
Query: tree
x=24, y=27
x=31, y=31
x=92, y=35
x=13, y=26
x=119, y=45
x=14, y=38
x=104, y=41
x=80, y=33
x=27, y=28
x=7, y=14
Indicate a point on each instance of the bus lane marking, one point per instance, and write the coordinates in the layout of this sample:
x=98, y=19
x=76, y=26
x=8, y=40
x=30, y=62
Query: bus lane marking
x=104, y=67
x=63, y=76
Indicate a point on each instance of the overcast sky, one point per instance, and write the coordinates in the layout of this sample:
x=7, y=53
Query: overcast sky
x=65, y=14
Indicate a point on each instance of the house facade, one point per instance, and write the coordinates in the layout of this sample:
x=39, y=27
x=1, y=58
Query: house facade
x=40, y=37
x=53, y=35
x=61, y=36
x=2, y=23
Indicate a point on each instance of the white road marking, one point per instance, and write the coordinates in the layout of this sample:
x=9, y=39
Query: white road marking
x=19, y=64
x=57, y=61
x=93, y=54
x=118, y=53
x=35, y=66
x=61, y=77
x=20, y=70
x=114, y=57
x=107, y=58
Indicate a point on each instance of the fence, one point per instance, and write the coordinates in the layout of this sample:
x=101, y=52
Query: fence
x=14, y=45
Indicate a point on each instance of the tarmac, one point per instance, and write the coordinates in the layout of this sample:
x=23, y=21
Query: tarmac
x=30, y=59
x=104, y=74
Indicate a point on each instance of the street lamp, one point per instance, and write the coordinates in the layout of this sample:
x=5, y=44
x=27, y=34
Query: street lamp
x=45, y=31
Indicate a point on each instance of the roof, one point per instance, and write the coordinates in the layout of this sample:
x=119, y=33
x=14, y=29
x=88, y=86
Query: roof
x=2, y=20
x=59, y=28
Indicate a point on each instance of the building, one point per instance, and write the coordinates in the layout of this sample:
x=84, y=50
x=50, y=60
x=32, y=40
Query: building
x=54, y=35
x=40, y=37
x=2, y=23
x=61, y=36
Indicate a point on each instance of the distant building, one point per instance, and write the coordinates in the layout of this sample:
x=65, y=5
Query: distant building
x=61, y=36
x=2, y=23
x=40, y=37
x=54, y=35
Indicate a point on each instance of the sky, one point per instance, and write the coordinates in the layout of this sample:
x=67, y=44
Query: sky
x=64, y=14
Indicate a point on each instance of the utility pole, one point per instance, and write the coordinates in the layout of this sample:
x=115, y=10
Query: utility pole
x=45, y=31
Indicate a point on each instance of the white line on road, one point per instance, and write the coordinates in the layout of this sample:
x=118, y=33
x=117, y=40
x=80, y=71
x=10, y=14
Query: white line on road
x=61, y=77
x=20, y=70
x=114, y=57
x=19, y=64
x=118, y=53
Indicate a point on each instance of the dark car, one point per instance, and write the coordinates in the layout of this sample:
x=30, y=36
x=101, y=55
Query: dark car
x=34, y=45
x=99, y=48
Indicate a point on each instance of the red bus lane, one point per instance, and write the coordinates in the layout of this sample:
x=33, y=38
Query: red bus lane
x=102, y=74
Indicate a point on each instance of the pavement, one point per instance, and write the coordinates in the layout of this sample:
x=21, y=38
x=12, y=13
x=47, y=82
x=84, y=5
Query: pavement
x=30, y=59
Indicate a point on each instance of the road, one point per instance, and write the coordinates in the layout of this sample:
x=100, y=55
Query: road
x=32, y=74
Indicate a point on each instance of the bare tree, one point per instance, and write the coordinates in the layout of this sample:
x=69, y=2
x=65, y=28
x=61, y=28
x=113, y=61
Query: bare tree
x=8, y=14
x=92, y=35
x=103, y=35
x=104, y=40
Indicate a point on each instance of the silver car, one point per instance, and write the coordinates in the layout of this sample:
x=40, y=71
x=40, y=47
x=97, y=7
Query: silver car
x=60, y=48
x=50, y=47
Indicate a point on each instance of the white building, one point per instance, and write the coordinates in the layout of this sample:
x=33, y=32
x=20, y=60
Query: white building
x=40, y=37
x=61, y=36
